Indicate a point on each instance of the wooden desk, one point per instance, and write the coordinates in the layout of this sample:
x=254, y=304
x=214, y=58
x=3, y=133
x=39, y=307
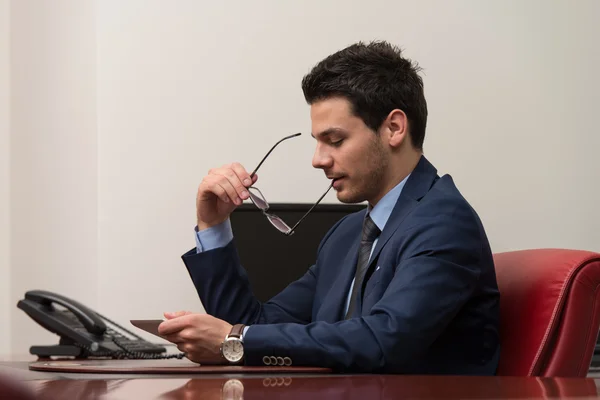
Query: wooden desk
x=363, y=387
x=45, y=385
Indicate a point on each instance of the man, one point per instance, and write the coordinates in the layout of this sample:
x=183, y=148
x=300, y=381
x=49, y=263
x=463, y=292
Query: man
x=406, y=286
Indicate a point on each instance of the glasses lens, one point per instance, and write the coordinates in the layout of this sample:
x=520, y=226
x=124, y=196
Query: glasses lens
x=278, y=223
x=258, y=199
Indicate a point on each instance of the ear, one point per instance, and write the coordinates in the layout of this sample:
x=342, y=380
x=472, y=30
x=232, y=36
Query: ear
x=396, y=125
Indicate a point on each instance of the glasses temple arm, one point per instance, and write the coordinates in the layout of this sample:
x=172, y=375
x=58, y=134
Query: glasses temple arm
x=272, y=148
x=308, y=212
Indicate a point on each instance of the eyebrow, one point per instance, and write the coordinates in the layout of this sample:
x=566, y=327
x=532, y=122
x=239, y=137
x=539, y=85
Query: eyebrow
x=327, y=132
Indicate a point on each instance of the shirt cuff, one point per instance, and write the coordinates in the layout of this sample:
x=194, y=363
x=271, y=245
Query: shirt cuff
x=244, y=332
x=213, y=237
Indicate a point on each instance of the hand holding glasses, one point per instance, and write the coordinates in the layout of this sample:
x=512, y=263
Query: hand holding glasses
x=259, y=200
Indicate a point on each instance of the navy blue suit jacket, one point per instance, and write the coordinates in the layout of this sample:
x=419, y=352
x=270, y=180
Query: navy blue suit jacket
x=430, y=303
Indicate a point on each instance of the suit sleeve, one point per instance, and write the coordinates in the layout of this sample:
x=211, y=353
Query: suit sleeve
x=435, y=276
x=224, y=289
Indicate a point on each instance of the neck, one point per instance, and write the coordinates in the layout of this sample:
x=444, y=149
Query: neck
x=397, y=172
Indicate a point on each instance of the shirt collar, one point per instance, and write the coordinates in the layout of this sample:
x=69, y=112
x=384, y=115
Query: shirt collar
x=383, y=209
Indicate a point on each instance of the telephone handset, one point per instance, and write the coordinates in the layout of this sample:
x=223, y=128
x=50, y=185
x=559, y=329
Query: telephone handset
x=83, y=332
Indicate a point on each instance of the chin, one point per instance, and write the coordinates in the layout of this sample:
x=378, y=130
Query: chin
x=348, y=197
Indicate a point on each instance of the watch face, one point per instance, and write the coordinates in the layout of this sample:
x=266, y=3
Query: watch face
x=233, y=389
x=233, y=350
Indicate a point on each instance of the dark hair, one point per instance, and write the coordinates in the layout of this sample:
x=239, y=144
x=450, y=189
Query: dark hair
x=375, y=79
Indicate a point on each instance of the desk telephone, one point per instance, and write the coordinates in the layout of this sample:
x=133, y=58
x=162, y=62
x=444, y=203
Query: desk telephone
x=83, y=332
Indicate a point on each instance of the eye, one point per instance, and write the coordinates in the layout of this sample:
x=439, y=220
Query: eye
x=337, y=143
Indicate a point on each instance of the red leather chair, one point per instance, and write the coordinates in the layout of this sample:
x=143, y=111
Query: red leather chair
x=549, y=311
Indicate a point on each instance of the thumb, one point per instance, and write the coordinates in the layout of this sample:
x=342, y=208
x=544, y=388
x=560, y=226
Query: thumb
x=254, y=178
x=171, y=315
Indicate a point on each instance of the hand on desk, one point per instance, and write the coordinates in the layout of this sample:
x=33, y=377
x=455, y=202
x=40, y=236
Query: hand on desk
x=199, y=336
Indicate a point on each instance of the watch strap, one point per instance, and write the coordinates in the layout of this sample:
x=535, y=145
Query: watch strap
x=236, y=331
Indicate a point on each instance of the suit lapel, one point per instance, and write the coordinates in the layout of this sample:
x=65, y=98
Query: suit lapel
x=347, y=267
x=417, y=185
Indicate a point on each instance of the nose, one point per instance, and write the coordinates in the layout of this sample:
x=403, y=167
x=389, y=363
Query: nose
x=322, y=159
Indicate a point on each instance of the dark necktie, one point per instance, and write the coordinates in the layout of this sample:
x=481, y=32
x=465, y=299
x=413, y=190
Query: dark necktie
x=369, y=234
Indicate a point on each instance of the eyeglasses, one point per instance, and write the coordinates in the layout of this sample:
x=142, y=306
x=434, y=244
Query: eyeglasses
x=259, y=199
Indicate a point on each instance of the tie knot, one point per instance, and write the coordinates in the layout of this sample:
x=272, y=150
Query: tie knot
x=370, y=230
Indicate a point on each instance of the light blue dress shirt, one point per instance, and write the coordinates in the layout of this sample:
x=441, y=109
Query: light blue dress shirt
x=220, y=235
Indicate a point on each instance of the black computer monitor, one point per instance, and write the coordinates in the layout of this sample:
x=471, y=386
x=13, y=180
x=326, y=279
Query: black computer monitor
x=272, y=259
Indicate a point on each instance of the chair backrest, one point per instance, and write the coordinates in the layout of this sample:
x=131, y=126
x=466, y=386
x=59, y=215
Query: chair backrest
x=549, y=311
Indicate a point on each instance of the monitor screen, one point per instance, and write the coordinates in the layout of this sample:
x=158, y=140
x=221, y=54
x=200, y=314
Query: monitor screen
x=272, y=259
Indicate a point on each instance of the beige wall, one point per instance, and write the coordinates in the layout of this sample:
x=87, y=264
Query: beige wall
x=119, y=109
x=53, y=157
x=4, y=176
x=186, y=86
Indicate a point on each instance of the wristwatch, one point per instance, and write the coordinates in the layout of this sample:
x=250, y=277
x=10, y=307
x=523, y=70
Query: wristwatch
x=232, y=348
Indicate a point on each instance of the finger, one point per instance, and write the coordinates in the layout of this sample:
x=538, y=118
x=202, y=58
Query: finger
x=186, y=348
x=172, y=326
x=213, y=186
x=186, y=335
x=221, y=186
x=231, y=191
x=171, y=315
x=174, y=338
x=235, y=181
x=242, y=174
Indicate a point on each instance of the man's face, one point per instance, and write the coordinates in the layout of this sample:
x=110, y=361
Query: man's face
x=348, y=151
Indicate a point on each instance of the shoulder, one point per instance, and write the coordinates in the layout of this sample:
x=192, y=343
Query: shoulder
x=445, y=196
x=445, y=201
x=444, y=219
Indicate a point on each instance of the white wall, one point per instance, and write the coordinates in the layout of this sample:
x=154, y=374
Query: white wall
x=53, y=157
x=120, y=108
x=186, y=86
x=4, y=175
x=513, y=91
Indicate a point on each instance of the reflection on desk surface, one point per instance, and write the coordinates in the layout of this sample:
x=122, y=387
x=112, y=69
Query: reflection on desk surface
x=360, y=387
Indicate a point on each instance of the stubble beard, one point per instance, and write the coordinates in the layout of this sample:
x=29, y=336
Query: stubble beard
x=366, y=186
